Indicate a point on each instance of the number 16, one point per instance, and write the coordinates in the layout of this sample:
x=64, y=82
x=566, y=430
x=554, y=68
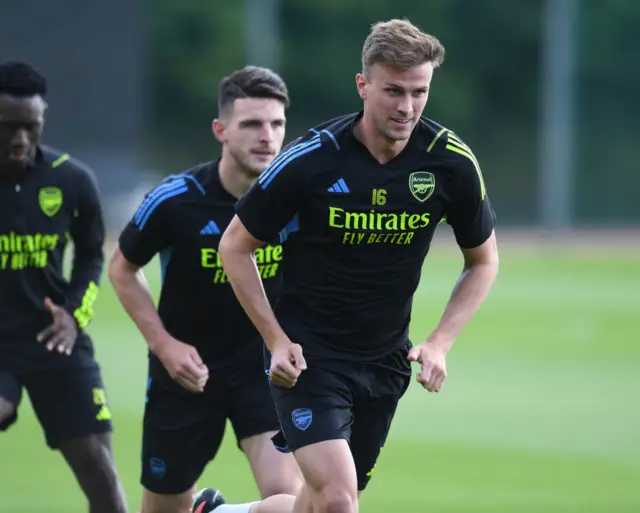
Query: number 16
x=379, y=197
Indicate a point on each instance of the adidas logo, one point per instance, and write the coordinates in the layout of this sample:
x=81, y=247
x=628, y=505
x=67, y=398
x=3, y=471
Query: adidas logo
x=104, y=414
x=340, y=186
x=210, y=229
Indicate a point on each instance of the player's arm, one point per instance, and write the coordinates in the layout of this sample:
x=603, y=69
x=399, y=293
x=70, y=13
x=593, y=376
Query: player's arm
x=133, y=291
x=261, y=214
x=472, y=287
x=472, y=219
x=236, y=249
x=87, y=233
x=145, y=236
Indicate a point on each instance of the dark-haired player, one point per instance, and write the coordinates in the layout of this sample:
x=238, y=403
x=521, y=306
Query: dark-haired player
x=46, y=200
x=205, y=355
x=366, y=191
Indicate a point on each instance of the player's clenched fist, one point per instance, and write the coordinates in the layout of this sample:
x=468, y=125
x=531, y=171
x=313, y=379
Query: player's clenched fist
x=431, y=357
x=287, y=363
x=183, y=363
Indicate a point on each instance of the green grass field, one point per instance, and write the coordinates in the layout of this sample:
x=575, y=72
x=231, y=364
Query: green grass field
x=540, y=412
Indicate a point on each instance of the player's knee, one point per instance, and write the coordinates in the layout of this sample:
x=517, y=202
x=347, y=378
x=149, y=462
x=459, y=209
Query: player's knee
x=92, y=462
x=280, y=485
x=287, y=480
x=95, y=458
x=336, y=498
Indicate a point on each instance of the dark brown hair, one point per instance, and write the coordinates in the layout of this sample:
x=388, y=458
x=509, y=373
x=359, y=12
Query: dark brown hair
x=251, y=82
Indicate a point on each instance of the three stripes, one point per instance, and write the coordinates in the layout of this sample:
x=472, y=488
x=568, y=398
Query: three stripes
x=456, y=145
x=178, y=185
x=278, y=164
x=161, y=193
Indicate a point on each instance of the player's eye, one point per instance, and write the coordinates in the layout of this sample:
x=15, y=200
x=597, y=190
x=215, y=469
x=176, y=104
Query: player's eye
x=393, y=91
x=252, y=124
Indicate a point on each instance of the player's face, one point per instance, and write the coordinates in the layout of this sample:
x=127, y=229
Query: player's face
x=394, y=99
x=253, y=132
x=21, y=123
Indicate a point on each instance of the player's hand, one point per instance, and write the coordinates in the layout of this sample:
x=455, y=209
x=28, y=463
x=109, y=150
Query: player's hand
x=287, y=363
x=62, y=333
x=431, y=357
x=183, y=363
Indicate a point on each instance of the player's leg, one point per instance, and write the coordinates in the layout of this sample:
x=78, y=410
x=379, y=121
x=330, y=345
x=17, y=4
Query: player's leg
x=211, y=500
x=330, y=486
x=255, y=421
x=10, y=395
x=316, y=417
x=69, y=400
x=330, y=478
x=91, y=460
x=182, y=432
x=14, y=360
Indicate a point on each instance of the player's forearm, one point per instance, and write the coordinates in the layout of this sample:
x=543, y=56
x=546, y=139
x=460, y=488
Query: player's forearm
x=134, y=294
x=247, y=286
x=83, y=285
x=470, y=291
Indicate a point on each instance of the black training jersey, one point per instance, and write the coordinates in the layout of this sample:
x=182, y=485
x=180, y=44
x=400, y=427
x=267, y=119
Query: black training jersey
x=55, y=201
x=182, y=220
x=361, y=231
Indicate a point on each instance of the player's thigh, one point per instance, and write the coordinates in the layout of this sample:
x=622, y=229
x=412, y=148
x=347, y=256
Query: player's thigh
x=255, y=421
x=69, y=399
x=275, y=472
x=318, y=408
x=182, y=431
x=330, y=475
x=10, y=396
x=15, y=359
x=158, y=503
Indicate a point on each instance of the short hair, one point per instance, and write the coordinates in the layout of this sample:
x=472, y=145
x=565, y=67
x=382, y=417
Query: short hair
x=251, y=82
x=22, y=80
x=400, y=44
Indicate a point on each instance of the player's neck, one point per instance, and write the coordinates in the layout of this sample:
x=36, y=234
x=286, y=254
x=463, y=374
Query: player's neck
x=382, y=149
x=232, y=177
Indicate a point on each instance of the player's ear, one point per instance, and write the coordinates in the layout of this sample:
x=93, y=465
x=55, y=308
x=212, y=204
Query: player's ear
x=217, y=127
x=361, y=84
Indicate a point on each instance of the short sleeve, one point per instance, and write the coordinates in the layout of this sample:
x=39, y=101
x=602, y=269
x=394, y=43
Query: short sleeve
x=470, y=212
x=147, y=233
x=276, y=197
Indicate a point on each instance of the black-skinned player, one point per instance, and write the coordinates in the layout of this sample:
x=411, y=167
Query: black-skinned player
x=205, y=361
x=367, y=192
x=47, y=200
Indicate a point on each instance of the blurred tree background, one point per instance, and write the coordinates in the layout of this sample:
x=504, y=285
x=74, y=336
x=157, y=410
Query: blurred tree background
x=488, y=89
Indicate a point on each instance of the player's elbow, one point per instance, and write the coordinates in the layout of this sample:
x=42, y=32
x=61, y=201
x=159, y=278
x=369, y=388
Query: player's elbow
x=119, y=267
x=236, y=242
x=486, y=254
x=227, y=247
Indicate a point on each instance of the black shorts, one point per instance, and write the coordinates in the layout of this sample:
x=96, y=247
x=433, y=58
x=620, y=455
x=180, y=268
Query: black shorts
x=182, y=431
x=337, y=399
x=66, y=392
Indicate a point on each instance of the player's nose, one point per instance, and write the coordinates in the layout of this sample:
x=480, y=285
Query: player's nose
x=20, y=139
x=404, y=107
x=267, y=134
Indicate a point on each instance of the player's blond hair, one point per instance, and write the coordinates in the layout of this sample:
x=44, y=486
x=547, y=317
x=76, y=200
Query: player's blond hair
x=400, y=44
